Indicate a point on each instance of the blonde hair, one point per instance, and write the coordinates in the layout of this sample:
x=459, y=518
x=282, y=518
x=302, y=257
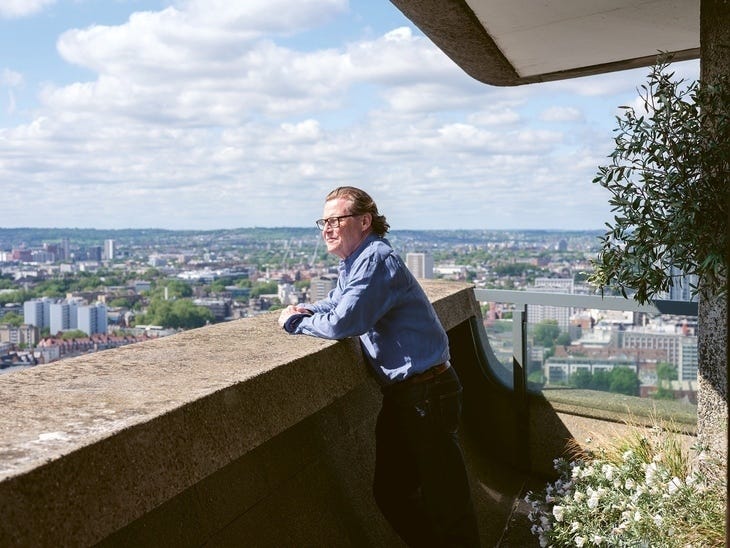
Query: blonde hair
x=361, y=203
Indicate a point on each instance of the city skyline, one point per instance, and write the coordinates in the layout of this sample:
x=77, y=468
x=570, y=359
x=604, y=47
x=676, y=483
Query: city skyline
x=212, y=115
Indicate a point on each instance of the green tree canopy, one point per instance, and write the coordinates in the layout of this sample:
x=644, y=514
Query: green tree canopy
x=264, y=288
x=15, y=297
x=121, y=302
x=177, y=314
x=175, y=289
x=12, y=318
x=624, y=381
x=73, y=334
x=581, y=379
x=546, y=332
x=667, y=177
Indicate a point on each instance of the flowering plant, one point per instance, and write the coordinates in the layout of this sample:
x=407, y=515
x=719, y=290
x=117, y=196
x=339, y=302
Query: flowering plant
x=641, y=491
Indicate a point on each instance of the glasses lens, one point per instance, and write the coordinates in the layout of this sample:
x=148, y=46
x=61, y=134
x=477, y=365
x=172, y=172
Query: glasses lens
x=334, y=222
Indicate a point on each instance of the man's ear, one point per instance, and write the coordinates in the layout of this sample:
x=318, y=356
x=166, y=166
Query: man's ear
x=367, y=220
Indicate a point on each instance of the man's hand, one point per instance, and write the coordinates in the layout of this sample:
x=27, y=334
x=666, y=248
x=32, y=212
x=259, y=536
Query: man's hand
x=290, y=311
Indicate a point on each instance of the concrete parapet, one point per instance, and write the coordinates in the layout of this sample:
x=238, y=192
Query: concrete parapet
x=197, y=438
x=238, y=434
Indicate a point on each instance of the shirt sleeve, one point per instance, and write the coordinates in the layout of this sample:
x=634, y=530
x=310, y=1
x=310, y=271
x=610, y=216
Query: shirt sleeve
x=365, y=297
x=324, y=305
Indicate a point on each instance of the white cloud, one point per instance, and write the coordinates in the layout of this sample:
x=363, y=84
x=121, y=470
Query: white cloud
x=201, y=115
x=497, y=115
x=561, y=114
x=11, y=78
x=13, y=9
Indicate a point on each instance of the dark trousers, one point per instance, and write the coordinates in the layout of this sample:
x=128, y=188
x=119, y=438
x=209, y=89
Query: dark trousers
x=420, y=484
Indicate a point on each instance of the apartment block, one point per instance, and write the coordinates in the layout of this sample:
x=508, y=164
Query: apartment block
x=23, y=334
x=321, y=286
x=420, y=265
x=561, y=314
x=37, y=312
x=92, y=319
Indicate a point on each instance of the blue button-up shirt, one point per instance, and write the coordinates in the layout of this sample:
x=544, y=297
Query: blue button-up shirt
x=378, y=299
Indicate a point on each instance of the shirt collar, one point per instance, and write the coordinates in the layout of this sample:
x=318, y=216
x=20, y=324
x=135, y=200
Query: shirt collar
x=347, y=262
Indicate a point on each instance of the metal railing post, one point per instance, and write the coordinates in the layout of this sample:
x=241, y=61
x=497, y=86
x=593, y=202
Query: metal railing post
x=519, y=373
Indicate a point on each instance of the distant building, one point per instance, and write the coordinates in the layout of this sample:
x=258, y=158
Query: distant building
x=220, y=309
x=141, y=286
x=682, y=284
x=63, y=316
x=561, y=314
x=681, y=349
x=321, y=286
x=558, y=370
x=24, y=334
x=287, y=293
x=92, y=319
x=688, y=360
x=156, y=260
x=420, y=265
x=93, y=253
x=108, y=254
x=22, y=255
x=37, y=312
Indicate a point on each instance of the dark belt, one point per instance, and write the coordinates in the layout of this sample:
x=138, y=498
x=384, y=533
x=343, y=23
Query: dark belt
x=427, y=375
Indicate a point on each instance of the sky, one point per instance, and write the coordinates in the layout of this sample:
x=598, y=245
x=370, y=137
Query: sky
x=212, y=114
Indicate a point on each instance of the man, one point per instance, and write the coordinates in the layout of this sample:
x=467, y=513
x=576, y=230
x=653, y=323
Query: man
x=420, y=482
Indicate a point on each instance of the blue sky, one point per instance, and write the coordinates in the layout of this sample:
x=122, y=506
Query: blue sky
x=206, y=114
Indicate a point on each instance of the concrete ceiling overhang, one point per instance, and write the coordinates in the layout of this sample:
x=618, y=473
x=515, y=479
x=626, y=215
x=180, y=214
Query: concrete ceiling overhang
x=514, y=42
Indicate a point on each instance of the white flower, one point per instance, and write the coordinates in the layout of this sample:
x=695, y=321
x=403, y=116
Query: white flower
x=597, y=540
x=579, y=541
x=637, y=516
x=657, y=520
x=650, y=473
x=593, y=500
x=578, y=496
x=607, y=470
x=558, y=512
x=629, y=484
x=674, y=485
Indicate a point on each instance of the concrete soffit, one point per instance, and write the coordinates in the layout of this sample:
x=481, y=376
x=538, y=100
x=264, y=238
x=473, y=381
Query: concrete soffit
x=515, y=42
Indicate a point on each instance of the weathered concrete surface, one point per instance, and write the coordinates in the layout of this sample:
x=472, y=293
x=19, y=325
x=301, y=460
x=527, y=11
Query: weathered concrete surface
x=239, y=434
x=90, y=444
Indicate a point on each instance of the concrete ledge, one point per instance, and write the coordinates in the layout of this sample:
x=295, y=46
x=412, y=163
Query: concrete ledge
x=91, y=444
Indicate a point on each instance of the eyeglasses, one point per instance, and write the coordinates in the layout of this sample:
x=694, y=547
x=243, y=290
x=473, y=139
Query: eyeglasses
x=334, y=222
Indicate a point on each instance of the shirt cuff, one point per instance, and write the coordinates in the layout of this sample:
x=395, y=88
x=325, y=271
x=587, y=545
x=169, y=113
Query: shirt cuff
x=291, y=324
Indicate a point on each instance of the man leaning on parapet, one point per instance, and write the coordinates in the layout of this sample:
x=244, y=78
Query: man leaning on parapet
x=420, y=482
